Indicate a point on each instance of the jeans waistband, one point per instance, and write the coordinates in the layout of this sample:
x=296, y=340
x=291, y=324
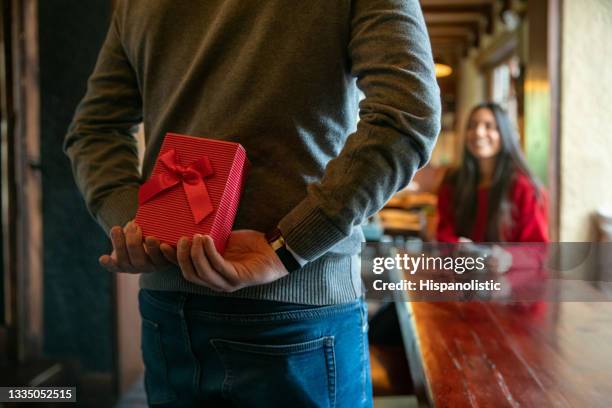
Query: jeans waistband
x=220, y=308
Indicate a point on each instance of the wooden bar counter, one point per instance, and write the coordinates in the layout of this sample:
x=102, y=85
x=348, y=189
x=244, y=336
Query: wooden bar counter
x=486, y=354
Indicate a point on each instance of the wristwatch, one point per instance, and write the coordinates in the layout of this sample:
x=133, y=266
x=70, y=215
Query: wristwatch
x=277, y=242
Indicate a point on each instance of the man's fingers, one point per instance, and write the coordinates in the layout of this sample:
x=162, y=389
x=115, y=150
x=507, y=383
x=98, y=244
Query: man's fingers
x=169, y=253
x=108, y=263
x=136, y=253
x=121, y=254
x=152, y=248
x=219, y=264
x=183, y=250
x=204, y=270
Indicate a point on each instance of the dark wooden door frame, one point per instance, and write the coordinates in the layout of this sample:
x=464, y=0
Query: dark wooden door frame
x=8, y=192
x=21, y=189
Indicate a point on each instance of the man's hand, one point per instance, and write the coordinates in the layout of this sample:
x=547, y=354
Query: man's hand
x=249, y=260
x=132, y=255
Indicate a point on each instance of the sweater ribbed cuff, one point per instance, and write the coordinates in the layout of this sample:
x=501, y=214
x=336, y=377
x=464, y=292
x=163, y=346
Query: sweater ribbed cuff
x=118, y=208
x=308, y=231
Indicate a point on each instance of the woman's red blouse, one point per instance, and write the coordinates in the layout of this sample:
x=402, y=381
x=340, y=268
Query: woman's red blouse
x=529, y=214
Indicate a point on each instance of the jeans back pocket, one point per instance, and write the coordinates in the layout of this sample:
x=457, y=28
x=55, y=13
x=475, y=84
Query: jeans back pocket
x=156, y=373
x=270, y=375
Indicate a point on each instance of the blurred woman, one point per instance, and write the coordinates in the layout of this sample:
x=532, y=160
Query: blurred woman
x=492, y=196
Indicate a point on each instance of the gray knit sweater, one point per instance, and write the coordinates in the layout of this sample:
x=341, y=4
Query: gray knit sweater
x=281, y=78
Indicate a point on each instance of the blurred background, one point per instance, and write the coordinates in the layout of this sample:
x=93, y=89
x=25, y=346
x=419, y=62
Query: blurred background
x=63, y=319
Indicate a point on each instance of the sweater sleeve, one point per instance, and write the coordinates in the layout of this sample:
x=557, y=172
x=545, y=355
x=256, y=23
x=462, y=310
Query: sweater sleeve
x=446, y=226
x=399, y=122
x=100, y=141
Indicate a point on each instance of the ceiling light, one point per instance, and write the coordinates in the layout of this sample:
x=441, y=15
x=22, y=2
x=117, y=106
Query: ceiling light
x=443, y=70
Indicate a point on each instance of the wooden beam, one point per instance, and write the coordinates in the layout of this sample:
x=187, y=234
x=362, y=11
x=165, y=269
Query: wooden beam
x=455, y=18
x=435, y=43
x=482, y=15
x=450, y=31
x=456, y=3
x=466, y=34
x=477, y=29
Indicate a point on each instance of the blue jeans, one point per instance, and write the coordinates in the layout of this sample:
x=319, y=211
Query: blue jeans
x=227, y=352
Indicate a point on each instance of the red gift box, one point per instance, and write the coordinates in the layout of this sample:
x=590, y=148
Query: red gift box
x=195, y=188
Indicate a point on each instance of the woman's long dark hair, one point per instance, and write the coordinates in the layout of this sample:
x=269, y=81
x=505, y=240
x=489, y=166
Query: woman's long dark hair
x=466, y=178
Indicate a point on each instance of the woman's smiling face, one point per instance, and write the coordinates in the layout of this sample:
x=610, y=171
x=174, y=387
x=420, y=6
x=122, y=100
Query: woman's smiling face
x=483, y=139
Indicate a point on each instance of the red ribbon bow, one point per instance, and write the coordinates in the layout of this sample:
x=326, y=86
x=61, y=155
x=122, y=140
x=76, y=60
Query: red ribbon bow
x=192, y=178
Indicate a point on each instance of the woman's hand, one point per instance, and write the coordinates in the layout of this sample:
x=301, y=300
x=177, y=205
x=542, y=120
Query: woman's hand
x=499, y=260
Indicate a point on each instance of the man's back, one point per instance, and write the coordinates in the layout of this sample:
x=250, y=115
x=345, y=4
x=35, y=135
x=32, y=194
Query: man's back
x=279, y=78
x=273, y=76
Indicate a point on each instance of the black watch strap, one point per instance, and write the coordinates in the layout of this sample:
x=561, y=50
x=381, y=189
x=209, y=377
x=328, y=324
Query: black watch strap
x=287, y=259
x=276, y=240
